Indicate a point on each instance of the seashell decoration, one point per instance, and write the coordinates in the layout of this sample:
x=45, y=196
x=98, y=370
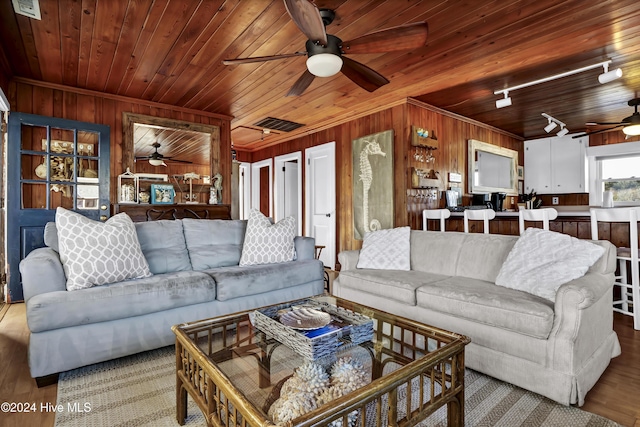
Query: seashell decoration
x=311, y=387
x=305, y=318
x=348, y=375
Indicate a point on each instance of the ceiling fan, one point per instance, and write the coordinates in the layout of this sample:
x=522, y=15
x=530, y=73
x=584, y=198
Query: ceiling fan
x=157, y=159
x=326, y=52
x=630, y=125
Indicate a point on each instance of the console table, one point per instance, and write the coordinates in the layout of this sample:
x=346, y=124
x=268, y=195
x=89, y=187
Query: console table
x=139, y=213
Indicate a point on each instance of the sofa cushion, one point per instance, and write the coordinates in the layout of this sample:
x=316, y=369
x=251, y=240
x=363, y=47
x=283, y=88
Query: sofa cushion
x=396, y=285
x=386, y=249
x=235, y=282
x=95, y=253
x=266, y=243
x=541, y=261
x=481, y=256
x=120, y=300
x=163, y=245
x=436, y=252
x=51, y=236
x=213, y=243
x=484, y=302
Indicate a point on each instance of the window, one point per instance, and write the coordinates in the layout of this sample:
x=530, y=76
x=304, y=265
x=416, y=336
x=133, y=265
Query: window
x=615, y=168
x=621, y=176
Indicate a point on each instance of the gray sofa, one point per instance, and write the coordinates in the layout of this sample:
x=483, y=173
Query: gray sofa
x=196, y=276
x=556, y=349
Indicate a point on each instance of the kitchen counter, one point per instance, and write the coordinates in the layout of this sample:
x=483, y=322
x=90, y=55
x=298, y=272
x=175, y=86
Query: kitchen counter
x=572, y=220
x=563, y=211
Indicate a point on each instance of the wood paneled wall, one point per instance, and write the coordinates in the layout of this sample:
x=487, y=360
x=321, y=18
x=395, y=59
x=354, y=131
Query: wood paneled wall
x=5, y=71
x=94, y=107
x=452, y=132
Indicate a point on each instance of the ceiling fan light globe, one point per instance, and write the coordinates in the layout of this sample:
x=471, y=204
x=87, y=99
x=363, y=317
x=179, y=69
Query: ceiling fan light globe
x=633, y=130
x=156, y=162
x=324, y=64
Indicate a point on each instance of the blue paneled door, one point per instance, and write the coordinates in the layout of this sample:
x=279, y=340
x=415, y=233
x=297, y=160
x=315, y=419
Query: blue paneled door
x=51, y=162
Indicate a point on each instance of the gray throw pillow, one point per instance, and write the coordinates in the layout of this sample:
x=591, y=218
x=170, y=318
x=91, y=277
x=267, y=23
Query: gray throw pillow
x=95, y=253
x=266, y=243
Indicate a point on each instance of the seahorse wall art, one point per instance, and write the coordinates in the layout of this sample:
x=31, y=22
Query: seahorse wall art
x=366, y=176
x=373, y=183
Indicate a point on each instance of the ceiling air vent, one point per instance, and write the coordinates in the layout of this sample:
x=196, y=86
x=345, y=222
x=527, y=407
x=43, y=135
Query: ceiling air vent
x=278, y=124
x=30, y=8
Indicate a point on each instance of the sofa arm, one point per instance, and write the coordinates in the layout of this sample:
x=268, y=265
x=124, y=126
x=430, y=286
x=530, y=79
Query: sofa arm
x=583, y=292
x=583, y=320
x=305, y=247
x=42, y=272
x=348, y=260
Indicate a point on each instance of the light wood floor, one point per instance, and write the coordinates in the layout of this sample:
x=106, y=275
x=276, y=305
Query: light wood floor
x=615, y=396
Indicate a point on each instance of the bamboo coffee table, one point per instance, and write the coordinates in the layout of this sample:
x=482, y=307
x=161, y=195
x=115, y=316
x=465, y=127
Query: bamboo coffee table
x=233, y=372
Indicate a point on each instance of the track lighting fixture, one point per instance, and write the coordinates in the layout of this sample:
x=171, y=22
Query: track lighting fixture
x=553, y=123
x=505, y=102
x=551, y=126
x=606, y=77
x=609, y=76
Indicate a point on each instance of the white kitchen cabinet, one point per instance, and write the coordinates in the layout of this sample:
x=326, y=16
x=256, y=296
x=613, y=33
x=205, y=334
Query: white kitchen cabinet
x=556, y=165
x=537, y=166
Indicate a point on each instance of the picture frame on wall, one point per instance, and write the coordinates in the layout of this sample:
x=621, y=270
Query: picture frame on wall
x=372, y=183
x=521, y=172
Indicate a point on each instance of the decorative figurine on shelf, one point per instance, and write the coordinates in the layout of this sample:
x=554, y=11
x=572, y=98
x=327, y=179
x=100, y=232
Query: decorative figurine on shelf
x=217, y=187
x=192, y=198
x=213, y=196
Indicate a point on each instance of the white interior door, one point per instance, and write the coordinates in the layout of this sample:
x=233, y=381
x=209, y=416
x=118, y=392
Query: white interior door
x=288, y=195
x=320, y=200
x=256, y=192
x=244, y=190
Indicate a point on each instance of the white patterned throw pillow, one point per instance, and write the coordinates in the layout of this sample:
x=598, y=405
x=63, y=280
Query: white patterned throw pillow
x=541, y=261
x=386, y=250
x=266, y=243
x=95, y=253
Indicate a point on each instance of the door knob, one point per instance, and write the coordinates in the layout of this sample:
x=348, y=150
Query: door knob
x=328, y=215
x=103, y=217
x=103, y=207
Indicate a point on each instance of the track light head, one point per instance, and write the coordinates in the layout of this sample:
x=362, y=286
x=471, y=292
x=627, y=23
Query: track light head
x=609, y=76
x=563, y=131
x=551, y=126
x=505, y=102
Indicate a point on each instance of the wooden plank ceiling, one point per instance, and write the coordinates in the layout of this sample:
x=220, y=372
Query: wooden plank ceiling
x=171, y=51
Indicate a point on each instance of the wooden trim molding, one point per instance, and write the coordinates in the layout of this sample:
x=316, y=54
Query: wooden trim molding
x=412, y=101
x=89, y=92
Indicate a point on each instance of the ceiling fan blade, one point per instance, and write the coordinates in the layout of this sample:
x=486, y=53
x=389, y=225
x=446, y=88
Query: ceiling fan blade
x=404, y=37
x=170, y=159
x=307, y=17
x=301, y=84
x=262, y=58
x=598, y=131
x=363, y=76
x=605, y=123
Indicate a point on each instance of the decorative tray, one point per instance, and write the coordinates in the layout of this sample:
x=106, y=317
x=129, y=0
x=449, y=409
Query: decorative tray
x=344, y=327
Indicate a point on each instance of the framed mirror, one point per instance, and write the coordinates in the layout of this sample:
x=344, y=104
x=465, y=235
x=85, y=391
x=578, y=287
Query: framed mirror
x=187, y=149
x=492, y=168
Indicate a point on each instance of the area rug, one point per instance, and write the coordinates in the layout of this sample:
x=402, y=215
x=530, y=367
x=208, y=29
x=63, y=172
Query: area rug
x=139, y=390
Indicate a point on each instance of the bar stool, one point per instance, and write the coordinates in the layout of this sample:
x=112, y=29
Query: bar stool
x=629, y=302
x=545, y=215
x=484, y=215
x=441, y=214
